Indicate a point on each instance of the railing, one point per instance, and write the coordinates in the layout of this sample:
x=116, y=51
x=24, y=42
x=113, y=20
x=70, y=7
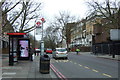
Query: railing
x=112, y=48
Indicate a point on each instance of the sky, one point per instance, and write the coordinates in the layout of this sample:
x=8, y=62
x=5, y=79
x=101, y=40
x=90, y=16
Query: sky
x=51, y=8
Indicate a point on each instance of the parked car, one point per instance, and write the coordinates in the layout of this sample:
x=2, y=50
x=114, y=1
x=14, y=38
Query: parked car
x=60, y=53
x=48, y=51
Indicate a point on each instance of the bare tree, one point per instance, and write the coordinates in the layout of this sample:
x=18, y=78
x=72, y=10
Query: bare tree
x=6, y=7
x=59, y=25
x=50, y=38
x=31, y=11
x=108, y=9
x=21, y=14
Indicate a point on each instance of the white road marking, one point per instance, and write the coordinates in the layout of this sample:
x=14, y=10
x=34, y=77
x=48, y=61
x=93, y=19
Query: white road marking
x=75, y=63
x=9, y=73
x=86, y=67
x=80, y=65
x=95, y=70
x=106, y=75
x=60, y=61
x=57, y=61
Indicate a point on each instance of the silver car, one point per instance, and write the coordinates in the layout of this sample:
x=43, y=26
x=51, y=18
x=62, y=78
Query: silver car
x=60, y=53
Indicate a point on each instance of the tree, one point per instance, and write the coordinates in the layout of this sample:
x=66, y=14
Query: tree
x=50, y=39
x=21, y=14
x=109, y=9
x=6, y=7
x=59, y=25
x=33, y=41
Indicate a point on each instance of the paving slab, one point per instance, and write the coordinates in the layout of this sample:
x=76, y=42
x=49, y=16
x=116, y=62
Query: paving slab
x=25, y=70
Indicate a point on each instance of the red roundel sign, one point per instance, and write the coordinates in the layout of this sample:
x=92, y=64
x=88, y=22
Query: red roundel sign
x=38, y=23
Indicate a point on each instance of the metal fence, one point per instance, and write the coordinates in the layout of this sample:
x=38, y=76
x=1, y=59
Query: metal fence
x=112, y=48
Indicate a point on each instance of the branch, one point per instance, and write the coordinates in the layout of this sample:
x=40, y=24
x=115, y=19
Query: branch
x=24, y=18
x=35, y=8
x=108, y=5
x=17, y=16
x=29, y=19
x=30, y=30
x=6, y=11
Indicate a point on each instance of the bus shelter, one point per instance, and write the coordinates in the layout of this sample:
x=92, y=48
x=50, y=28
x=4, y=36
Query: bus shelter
x=18, y=47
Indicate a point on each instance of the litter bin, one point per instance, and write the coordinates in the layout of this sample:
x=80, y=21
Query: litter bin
x=44, y=64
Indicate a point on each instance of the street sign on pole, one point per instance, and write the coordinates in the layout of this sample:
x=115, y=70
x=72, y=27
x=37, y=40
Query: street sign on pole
x=38, y=23
x=38, y=31
x=43, y=20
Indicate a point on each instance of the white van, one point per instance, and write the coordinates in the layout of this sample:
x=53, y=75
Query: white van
x=60, y=53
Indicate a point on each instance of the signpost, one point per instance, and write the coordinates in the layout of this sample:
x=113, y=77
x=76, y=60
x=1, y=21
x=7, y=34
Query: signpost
x=39, y=25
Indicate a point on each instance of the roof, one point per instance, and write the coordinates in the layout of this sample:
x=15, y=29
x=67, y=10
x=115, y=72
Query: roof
x=16, y=33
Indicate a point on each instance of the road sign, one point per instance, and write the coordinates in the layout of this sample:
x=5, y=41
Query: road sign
x=38, y=23
x=38, y=31
x=43, y=20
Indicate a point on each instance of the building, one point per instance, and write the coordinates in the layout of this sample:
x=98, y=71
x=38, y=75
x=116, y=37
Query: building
x=69, y=28
x=78, y=35
x=6, y=27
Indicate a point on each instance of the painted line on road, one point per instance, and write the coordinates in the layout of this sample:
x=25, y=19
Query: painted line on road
x=59, y=74
x=75, y=63
x=66, y=60
x=106, y=75
x=79, y=64
x=60, y=61
x=92, y=69
x=95, y=70
x=57, y=61
x=71, y=61
x=8, y=73
x=55, y=71
x=86, y=67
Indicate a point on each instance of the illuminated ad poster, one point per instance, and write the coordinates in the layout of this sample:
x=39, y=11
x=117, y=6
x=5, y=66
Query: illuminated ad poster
x=24, y=48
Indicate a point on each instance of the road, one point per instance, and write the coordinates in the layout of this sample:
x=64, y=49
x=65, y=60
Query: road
x=86, y=66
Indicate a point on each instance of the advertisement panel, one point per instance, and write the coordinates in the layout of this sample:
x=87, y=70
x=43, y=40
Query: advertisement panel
x=23, y=48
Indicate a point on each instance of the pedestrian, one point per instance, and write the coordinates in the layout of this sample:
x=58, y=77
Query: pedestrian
x=77, y=50
x=31, y=53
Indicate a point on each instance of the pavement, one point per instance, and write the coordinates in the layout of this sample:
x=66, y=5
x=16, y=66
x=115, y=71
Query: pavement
x=105, y=56
x=26, y=70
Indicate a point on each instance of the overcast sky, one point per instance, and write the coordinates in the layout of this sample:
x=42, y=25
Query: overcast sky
x=51, y=8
